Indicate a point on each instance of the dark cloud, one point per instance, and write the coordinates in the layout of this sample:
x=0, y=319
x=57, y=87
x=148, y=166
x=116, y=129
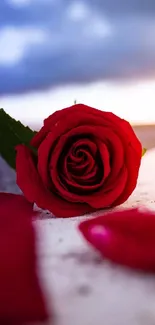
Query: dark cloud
x=70, y=54
x=127, y=7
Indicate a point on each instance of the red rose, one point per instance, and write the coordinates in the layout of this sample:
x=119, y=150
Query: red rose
x=87, y=160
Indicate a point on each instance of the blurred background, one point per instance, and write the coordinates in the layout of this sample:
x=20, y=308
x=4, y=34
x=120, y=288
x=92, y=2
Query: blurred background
x=99, y=52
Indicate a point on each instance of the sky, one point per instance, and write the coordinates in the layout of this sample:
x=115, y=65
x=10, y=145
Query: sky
x=99, y=52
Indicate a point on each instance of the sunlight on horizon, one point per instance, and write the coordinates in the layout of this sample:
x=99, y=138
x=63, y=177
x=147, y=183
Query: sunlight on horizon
x=134, y=102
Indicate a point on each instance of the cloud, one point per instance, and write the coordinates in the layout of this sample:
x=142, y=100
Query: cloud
x=123, y=7
x=19, y=3
x=14, y=42
x=48, y=43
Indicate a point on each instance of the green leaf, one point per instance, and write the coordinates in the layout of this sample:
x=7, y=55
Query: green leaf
x=12, y=133
x=144, y=151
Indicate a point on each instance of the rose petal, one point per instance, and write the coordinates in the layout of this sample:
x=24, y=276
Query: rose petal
x=136, y=222
x=97, y=199
x=85, y=142
x=48, y=123
x=71, y=169
x=15, y=203
x=31, y=184
x=105, y=157
x=132, y=165
x=21, y=299
x=127, y=251
x=125, y=237
x=82, y=114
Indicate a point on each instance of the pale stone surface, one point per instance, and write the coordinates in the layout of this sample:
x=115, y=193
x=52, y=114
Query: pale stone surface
x=83, y=288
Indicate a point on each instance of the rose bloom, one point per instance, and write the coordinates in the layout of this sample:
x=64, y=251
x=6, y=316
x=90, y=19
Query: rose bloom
x=86, y=160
